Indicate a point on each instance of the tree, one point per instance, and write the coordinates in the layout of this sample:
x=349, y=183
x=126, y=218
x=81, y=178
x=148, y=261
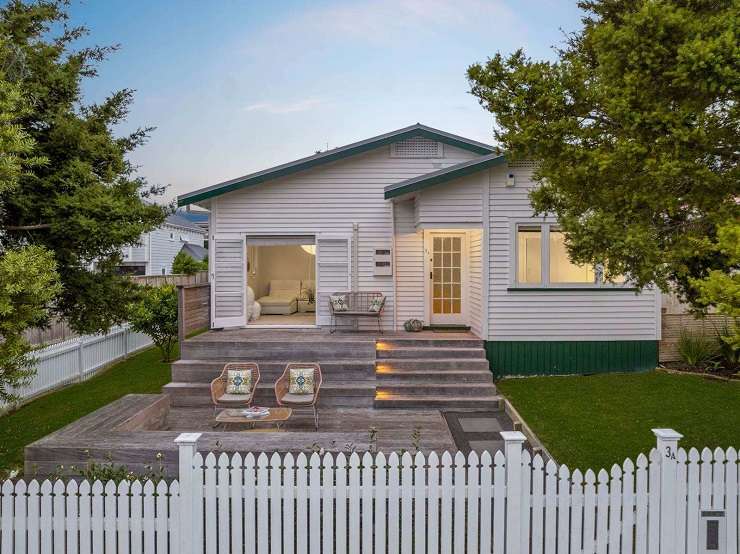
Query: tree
x=28, y=283
x=155, y=314
x=186, y=264
x=86, y=202
x=635, y=126
x=28, y=280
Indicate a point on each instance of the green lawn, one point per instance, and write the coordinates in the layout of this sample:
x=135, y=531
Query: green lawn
x=596, y=421
x=141, y=373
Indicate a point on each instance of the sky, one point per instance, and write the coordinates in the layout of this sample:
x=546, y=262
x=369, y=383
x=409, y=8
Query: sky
x=235, y=86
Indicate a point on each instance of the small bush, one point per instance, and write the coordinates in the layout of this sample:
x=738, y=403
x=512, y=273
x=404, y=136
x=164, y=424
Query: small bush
x=156, y=315
x=696, y=349
x=186, y=264
x=728, y=342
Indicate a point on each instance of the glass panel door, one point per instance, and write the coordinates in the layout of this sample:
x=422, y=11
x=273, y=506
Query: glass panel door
x=447, y=255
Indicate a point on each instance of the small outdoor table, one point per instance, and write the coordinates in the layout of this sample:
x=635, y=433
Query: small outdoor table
x=278, y=416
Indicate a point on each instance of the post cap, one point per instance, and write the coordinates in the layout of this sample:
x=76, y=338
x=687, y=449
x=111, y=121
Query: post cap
x=667, y=434
x=512, y=436
x=187, y=438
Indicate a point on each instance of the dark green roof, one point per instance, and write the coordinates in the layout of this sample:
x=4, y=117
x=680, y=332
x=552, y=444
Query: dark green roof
x=444, y=175
x=335, y=154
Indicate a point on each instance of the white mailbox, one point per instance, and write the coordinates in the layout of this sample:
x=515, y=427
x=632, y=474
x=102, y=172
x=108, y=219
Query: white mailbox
x=383, y=261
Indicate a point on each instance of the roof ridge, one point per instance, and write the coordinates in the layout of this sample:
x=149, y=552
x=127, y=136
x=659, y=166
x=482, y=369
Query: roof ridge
x=334, y=154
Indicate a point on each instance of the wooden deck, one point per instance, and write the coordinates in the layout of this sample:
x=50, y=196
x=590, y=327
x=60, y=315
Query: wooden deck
x=135, y=428
x=308, y=334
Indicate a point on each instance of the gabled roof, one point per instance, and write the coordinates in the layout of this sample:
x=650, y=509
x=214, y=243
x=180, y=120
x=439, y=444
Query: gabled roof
x=195, y=217
x=443, y=175
x=177, y=220
x=198, y=253
x=331, y=156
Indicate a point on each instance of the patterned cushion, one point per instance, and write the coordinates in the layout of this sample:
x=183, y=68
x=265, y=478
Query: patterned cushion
x=376, y=304
x=239, y=381
x=301, y=380
x=339, y=302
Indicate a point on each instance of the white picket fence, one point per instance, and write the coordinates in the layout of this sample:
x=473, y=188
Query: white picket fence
x=79, y=358
x=671, y=501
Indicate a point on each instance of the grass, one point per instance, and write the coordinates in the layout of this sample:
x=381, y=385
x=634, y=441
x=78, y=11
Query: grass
x=144, y=372
x=596, y=421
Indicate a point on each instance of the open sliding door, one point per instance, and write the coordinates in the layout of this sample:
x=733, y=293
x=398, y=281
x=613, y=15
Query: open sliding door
x=334, y=271
x=228, y=282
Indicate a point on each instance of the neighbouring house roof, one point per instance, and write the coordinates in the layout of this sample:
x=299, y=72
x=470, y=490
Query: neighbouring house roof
x=332, y=156
x=198, y=253
x=443, y=175
x=200, y=218
x=178, y=220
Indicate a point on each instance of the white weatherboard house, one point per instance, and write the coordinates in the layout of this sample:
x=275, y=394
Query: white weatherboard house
x=454, y=220
x=157, y=249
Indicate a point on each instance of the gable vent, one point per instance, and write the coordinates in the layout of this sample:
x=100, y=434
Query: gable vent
x=416, y=147
x=524, y=164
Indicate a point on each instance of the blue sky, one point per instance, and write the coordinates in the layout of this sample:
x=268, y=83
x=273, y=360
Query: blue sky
x=237, y=86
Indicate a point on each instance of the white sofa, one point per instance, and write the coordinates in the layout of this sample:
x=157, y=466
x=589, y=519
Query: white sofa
x=282, y=298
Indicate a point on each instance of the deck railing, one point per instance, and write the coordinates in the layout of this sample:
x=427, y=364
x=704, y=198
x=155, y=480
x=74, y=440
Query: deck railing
x=671, y=501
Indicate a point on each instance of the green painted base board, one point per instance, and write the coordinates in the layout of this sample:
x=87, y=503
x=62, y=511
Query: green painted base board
x=570, y=357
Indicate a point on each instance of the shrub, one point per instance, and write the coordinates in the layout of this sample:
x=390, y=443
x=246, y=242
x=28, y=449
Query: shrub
x=156, y=315
x=728, y=341
x=186, y=264
x=696, y=348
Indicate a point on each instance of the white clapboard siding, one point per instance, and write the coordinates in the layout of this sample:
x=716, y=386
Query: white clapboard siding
x=383, y=505
x=550, y=315
x=409, y=264
x=475, y=278
x=229, y=282
x=330, y=199
x=457, y=205
x=334, y=272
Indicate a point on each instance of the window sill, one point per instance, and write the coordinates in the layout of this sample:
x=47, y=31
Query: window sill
x=600, y=288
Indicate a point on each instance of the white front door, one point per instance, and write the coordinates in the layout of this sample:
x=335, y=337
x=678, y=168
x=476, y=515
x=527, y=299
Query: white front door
x=447, y=271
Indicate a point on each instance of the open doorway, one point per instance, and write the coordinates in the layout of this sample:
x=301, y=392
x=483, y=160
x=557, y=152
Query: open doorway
x=281, y=281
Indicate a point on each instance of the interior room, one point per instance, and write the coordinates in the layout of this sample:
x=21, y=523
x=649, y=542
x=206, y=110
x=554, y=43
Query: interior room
x=281, y=281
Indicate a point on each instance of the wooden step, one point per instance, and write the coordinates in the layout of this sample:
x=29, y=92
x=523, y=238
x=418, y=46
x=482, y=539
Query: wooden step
x=393, y=376
x=432, y=364
x=202, y=371
x=430, y=343
x=484, y=403
x=450, y=390
x=278, y=350
x=416, y=353
x=355, y=393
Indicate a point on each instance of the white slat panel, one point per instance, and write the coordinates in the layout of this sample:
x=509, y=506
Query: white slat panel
x=85, y=514
x=96, y=521
x=563, y=519
x=123, y=516
x=250, y=488
x=526, y=498
x=327, y=506
x=367, y=502
x=628, y=514
x=301, y=503
x=237, y=513
x=486, y=498
x=6, y=512
x=589, y=513
x=381, y=481
x=654, y=502
x=680, y=544
x=211, y=523
x=602, y=510
x=420, y=506
x=263, y=529
x=222, y=500
x=59, y=505
x=354, y=504
x=162, y=516
x=641, y=505
x=288, y=503
x=615, y=506
x=576, y=511
x=314, y=507
x=473, y=480
x=276, y=508
x=394, y=480
x=21, y=516
x=499, y=503
x=149, y=515
x=340, y=502
x=732, y=490
x=551, y=502
x=407, y=503
x=446, y=501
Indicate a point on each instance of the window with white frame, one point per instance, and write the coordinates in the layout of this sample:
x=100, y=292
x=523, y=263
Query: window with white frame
x=542, y=259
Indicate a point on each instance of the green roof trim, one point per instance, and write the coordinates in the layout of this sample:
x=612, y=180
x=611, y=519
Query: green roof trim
x=417, y=130
x=444, y=175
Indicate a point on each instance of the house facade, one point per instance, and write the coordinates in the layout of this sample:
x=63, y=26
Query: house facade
x=443, y=227
x=157, y=249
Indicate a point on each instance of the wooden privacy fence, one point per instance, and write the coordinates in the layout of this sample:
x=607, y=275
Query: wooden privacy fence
x=177, y=279
x=671, y=501
x=193, y=309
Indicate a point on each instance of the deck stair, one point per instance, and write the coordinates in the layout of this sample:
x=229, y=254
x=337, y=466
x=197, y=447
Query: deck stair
x=347, y=362
x=441, y=373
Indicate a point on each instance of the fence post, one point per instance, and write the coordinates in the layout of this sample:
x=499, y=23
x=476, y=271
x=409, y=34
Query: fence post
x=513, y=441
x=667, y=445
x=180, y=315
x=189, y=491
x=81, y=358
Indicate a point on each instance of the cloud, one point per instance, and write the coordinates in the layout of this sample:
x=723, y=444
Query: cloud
x=376, y=22
x=285, y=107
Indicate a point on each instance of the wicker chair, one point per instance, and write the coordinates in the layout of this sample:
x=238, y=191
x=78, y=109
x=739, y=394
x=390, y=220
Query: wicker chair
x=284, y=398
x=221, y=399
